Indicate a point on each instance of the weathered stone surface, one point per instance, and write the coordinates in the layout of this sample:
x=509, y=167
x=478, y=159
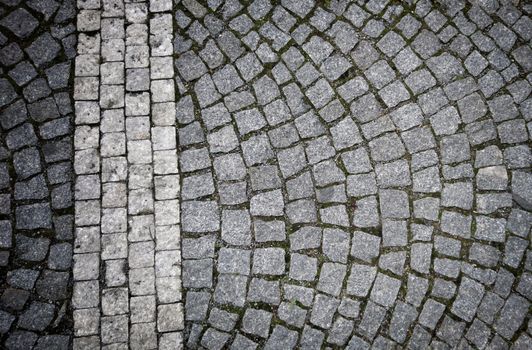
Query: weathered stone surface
x=381, y=155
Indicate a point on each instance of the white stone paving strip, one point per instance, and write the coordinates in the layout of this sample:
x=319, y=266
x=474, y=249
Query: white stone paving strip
x=127, y=262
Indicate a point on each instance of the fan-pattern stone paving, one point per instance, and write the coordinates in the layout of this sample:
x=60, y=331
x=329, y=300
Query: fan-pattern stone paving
x=355, y=174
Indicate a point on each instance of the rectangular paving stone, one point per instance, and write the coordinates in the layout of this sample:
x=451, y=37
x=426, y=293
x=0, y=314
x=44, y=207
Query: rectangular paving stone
x=431, y=313
x=323, y=311
x=371, y=319
x=331, y=278
x=469, y=296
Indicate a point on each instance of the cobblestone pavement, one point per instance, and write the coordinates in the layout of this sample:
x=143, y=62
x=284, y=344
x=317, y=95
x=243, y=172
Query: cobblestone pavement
x=127, y=287
x=355, y=174
x=265, y=174
x=37, y=45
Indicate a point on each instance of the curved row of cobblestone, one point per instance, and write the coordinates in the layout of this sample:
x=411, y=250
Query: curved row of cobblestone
x=355, y=174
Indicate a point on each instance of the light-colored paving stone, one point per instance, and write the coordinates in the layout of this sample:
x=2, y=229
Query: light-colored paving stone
x=128, y=190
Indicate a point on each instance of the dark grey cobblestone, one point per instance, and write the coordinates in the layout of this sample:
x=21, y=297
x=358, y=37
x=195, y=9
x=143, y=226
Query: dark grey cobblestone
x=36, y=50
x=355, y=174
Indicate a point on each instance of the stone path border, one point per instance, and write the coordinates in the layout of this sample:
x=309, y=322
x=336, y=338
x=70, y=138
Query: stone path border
x=127, y=286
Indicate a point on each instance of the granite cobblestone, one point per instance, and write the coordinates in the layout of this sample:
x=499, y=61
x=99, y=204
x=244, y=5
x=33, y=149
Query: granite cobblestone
x=367, y=150
x=37, y=48
x=133, y=159
x=265, y=174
